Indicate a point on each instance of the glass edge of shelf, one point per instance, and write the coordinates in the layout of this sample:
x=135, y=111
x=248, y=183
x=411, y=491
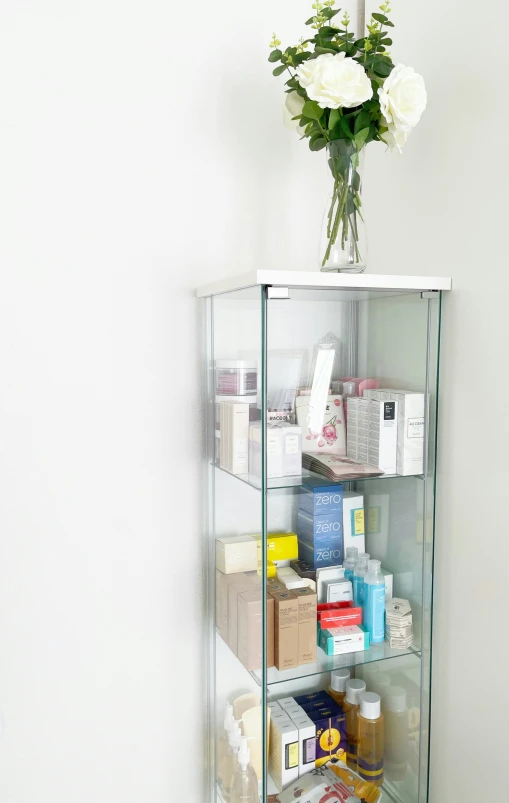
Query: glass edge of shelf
x=307, y=478
x=329, y=663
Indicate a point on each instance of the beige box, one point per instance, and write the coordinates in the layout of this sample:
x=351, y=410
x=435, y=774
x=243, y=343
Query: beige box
x=284, y=751
x=237, y=553
x=222, y=581
x=286, y=629
x=234, y=425
x=307, y=601
x=249, y=630
x=238, y=584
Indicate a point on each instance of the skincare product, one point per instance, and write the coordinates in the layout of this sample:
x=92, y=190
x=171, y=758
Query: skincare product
x=396, y=734
x=222, y=581
x=370, y=752
x=343, y=640
x=399, y=632
x=283, y=447
x=321, y=555
x=252, y=730
x=284, y=752
x=234, y=420
x=286, y=630
x=359, y=577
x=353, y=521
x=354, y=689
x=230, y=762
x=224, y=742
x=307, y=742
x=236, y=554
x=351, y=554
x=323, y=424
x=303, y=699
x=306, y=599
x=373, y=432
x=337, y=688
x=330, y=726
x=239, y=584
x=321, y=500
x=236, y=377
x=291, y=580
x=303, y=569
x=333, y=617
x=249, y=630
x=281, y=548
x=244, y=786
x=375, y=602
x=322, y=532
x=389, y=584
x=339, y=590
x=323, y=575
x=244, y=703
x=410, y=427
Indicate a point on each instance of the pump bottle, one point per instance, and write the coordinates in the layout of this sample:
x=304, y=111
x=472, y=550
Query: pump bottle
x=224, y=741
x=230, y=762
x=244, y=785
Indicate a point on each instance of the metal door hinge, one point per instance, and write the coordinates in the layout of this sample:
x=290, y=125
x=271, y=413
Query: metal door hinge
x=278, y=292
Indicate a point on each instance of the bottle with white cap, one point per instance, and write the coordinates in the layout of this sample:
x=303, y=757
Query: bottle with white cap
x=354, y=689
x=224, y=740
x=359, y=577
x=230, y=762
x=244, y=785
x=370, y=753
x=350, y=561
x=337, y=688
x=375, y=602
x=396, y=733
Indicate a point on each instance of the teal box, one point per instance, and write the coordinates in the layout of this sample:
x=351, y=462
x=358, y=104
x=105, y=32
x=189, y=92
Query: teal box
x=331, y=646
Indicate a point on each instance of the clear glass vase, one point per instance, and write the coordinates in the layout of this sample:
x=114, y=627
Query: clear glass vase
x=343, y=244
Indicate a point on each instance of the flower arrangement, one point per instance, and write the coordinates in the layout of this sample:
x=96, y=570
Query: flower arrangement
x=343, y=93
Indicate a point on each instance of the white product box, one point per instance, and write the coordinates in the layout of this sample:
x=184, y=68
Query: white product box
x=284, y=450
x=238, y=553
x=234, y=423
x=287, y=702
x=307, y=742
x=284, y=752
x=410, y=455
x=291, y=579
x=342, y=640
x=274, y=706
x=383, y=435
x=339, y=590
x=389, y=585
x=353, y=521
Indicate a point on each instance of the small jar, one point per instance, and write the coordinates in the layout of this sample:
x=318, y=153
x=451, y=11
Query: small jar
x=236, y=378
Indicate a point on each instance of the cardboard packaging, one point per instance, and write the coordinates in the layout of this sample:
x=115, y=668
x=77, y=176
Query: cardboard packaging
x=344, y=640
x=326, y=529
x=303, y=699
x=281, y=548
x=353, y=521
x=373, y=432
x=284, y=752
x=339, y=590
x=411, y=418
x=287, y=702
x=239, y=584
x=339, y=617
x=321, y=500
x=389, y=584
x=286, y=630
x=222, y=581
x=331, y=426
x=307, y=742
x=320, y=556
x=284, y=450
x=303, y=569
x=330, y=723
x=234, y=425
x=307, y=625
x=236, y=554
x=249, y=630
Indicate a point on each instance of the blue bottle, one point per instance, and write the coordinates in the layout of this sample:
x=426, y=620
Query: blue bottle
x=350, y=561
x=359, y=577
x=375, y=602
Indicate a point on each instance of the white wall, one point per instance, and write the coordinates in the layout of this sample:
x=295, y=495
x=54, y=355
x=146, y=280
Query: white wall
x=141, y=152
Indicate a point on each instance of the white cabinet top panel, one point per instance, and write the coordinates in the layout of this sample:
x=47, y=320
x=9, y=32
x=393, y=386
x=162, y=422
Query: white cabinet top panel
x=325, y=281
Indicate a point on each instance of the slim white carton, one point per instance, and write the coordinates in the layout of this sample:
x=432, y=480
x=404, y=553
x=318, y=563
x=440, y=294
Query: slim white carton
x=410, y=427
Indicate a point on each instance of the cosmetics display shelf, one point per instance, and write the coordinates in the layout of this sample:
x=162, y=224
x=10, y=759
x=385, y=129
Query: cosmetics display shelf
x=309, y=478
x=326, y=664
x=268, y=341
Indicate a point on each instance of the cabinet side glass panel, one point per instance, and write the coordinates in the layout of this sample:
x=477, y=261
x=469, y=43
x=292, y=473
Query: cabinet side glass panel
x=235, y=530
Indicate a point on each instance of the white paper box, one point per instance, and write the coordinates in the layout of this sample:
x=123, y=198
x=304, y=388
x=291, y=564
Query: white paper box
x=353, y=521
x=410, y=427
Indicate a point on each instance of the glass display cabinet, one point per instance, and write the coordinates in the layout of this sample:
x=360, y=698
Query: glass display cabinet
x=321, y=399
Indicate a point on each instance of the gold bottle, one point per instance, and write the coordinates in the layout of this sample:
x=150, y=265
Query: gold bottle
x=354, y=689
x=370, y=748
x=337, y=689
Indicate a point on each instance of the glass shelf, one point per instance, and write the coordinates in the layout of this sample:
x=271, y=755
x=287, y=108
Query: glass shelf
x=325, y=663
x=316, y=480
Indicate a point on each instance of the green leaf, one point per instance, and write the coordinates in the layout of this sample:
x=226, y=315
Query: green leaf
x=387, y=42
x=382, y=68
x=279, y=70
x=312, y=110
x=330, y=12
x=333, y=118
x=301, y=57
x=329, y=49
x=291, y=51
x=327, y=31
x=359, y=44
x=389, y=24
x=310, y=21
x=361, y=138
x=362, y=121
x=317, y=144
x=346, y=127
x=275, y=55
x=380, y=18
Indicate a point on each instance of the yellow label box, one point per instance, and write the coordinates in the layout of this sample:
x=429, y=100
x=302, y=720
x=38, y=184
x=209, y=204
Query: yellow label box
x=280, y=546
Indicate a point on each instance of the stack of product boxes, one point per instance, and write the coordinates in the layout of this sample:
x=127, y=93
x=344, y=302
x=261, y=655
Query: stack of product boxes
x=305, y=732
x=320, y=525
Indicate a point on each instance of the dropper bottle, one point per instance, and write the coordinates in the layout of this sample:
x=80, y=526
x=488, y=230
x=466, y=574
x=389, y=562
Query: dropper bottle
x=230, y=763
x=244, y=785
x=224, y=741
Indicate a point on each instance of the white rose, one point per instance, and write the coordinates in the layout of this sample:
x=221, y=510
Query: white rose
x=394, y=138
x=403, y=99
x=335, y=81
x=293, y=107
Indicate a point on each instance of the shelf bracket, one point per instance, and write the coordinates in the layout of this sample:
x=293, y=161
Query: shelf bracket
x=278, y=292
x=430, y=294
